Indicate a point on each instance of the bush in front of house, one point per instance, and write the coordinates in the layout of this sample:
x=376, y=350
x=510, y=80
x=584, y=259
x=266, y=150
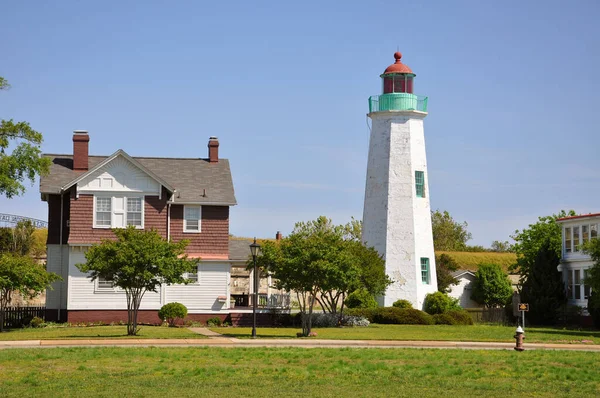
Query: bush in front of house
x=438, y=303
x=393, y=315
x=402, y=304
x=215, y=321
x=402, y=316
x=37, y=322
x=453, y=317
x=360, y=298
x=171, y=312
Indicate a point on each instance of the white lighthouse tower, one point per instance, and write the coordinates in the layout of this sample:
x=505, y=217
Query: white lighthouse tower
x=397, y=215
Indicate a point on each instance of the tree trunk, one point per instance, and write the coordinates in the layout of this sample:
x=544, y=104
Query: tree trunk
x=134, y=299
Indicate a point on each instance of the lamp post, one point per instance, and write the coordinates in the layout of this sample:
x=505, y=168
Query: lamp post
x=254, y=249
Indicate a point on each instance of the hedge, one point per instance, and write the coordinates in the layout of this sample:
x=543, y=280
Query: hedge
x=393, y=315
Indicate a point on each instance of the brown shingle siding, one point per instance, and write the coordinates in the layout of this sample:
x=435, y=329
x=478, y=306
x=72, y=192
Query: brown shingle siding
x=214, y=238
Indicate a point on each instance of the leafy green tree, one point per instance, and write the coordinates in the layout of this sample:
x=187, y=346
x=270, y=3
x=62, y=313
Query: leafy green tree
x=448, y=235
x=438, y=303
x=22, y=274
x=593, y=280
x=25, y=160
x=528, y=242
x=491, y=287
x=444, y=267
x=18, y=240
x=138, y=261
x=360, y=298
x=501, y=247
x=323, y=263
x=544, y=289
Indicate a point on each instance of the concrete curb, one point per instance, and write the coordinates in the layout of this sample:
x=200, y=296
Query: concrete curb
x=304, y=343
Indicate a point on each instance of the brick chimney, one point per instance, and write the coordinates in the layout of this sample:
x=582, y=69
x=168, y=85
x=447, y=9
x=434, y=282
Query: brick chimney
x=278, y=235
x=80, y=150
x=213, y=150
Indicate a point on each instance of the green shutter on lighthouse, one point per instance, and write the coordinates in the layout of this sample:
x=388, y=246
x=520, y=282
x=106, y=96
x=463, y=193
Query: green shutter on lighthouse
x=425, y=270
x=420, y=183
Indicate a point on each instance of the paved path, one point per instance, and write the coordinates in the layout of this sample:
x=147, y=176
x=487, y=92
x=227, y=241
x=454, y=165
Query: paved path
x=306, y=343
x=206, y=332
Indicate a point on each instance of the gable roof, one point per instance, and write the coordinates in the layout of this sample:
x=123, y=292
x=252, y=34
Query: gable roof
x=187, y=177
x=239, y=249
x=106, y=161
x=463, y=272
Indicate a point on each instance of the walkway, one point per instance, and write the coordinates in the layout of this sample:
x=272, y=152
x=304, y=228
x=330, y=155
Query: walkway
x=305, y=343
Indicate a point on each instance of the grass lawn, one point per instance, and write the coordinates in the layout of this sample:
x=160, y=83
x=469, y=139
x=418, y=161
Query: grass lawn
x=97, y=332
x=291, y=372
x=428, y=332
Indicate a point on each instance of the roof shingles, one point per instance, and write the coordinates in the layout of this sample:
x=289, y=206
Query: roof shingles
x=191, y=178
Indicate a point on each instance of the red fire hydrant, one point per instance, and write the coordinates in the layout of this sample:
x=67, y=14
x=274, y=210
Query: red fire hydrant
x=519, y=337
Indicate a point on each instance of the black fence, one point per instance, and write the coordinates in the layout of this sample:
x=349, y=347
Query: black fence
x=16, y=317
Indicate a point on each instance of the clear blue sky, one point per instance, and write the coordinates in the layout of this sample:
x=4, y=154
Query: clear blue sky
x=512, y=131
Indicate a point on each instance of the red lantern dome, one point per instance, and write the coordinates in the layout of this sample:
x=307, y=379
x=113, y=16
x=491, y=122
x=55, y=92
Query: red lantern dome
x=398, y=78
x=398, y=66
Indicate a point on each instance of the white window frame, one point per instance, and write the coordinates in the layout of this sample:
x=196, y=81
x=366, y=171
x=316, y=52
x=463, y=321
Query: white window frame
x=112, y=210
x=141, y=198
x=98, y=288
x=195, y=278
x=185, y=227
x=96, y=197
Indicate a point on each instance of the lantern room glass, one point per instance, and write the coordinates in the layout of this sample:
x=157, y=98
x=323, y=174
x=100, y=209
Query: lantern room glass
x=398, y=83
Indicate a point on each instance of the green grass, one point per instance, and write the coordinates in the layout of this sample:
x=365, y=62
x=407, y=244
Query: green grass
x=294, y=372
x=97, y=332
x=428, y=332
x=471, y=260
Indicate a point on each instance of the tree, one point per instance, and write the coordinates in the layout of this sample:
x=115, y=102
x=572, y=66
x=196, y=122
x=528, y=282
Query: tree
x=593, y=280
x=528, y=242
x=323, y=262
x=444, y=267
x=544, y=289
x=448, y=235
x=492, y=287
x=501, y=247
x=25, y=160
x=138, y=261
x=23, y=274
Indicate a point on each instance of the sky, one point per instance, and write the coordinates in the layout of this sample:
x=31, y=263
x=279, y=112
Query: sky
x=513, y=91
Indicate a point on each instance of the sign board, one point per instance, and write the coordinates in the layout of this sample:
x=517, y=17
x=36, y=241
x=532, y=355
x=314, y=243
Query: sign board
x=523, y=307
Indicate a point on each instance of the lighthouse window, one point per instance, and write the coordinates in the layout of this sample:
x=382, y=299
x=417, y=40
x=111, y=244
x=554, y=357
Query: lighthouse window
x=425, y=270
x=420, y=183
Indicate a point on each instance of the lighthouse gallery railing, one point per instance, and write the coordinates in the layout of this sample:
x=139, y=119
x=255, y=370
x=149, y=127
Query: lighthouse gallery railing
x=397, y=102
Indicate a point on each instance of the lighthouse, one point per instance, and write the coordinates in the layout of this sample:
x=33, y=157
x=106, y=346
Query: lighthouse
x=397, y=214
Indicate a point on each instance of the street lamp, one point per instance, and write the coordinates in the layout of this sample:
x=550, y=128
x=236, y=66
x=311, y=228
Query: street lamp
x=254, y=249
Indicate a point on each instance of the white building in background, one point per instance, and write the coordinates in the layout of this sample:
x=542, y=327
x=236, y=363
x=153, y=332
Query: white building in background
x=397, y=216
x=574, y=264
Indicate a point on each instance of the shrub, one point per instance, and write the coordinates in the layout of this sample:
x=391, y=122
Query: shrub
x=393, y=315
x=215, y=321
x=401, y=316
x=358, y=321
x=37, y=322
x=360, y=299
x=402, y=304
x=461, y=317
x=327, y=320
x=444, y=319
x=366, y=313
x=172, y=311
x=438, y=303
